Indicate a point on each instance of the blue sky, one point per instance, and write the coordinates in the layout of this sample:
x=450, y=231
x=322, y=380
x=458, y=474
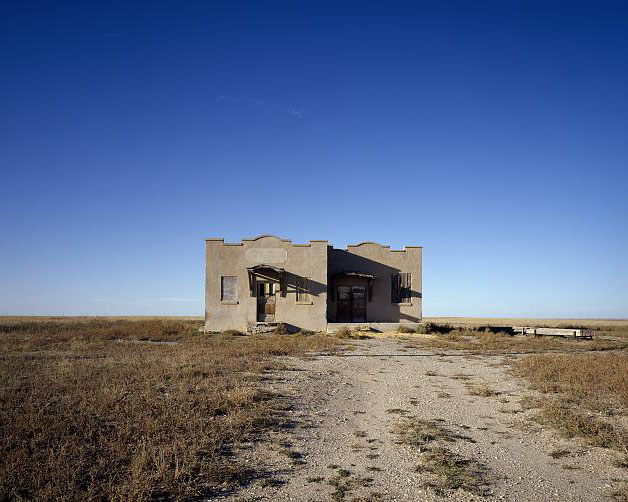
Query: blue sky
x=493, y=133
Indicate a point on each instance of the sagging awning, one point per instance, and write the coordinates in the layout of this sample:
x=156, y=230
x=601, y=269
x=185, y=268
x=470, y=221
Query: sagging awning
x=355, y=274
x=267, y=272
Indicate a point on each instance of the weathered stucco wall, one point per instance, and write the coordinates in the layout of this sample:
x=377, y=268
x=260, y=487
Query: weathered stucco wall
x=305, y=260
x=317, y=261
x=382, y=262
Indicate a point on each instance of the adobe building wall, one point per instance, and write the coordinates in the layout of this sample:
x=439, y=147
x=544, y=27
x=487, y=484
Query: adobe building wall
x=382, y=262
x=305, y=260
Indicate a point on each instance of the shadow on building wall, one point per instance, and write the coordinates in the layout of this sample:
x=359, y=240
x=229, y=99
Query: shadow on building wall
x=340, y=260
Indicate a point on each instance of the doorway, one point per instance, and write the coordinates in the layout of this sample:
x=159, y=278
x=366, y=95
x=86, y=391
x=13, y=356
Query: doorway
x=351, y=301
x=266, y=301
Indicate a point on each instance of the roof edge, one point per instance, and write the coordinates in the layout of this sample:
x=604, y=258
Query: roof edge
x=368, y=242
x=250, y=239
x=265, y=235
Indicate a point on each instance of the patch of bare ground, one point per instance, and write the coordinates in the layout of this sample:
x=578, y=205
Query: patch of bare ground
x=393, y=438
x=83, y=416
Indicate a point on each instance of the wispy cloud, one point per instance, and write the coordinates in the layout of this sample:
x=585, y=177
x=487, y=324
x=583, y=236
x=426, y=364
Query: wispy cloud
x=264, y=106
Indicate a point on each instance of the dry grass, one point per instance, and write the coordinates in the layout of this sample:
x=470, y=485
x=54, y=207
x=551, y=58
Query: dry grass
x=346, y=333
x=131, y=409
x=449, y=471
x=344, y=482
x=616, y=326
x=419, y=433
x=487, y=342
x=583, y=391
x=574, y=423
x=621, y=494
x=559, y=453
x=452, y=472
x=598, y=381
x=482, y=390
x=404, y=329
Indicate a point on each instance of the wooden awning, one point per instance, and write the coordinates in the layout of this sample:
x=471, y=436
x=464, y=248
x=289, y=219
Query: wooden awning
x=263, y=267
x=266, y=272
x=355, y=274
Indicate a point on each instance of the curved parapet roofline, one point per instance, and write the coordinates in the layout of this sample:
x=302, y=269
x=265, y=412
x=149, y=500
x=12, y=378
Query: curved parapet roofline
x=383, y=246
x=265, y=235
x=247, y=239
x=367, y=242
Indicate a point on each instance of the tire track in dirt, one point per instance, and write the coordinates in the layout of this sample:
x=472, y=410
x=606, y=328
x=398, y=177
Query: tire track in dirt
x=342, y=447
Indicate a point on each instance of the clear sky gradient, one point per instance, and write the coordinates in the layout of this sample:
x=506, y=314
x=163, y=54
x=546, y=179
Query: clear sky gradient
x=493, y=133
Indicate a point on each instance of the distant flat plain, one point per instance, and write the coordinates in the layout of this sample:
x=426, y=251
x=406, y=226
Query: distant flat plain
x=454, y=321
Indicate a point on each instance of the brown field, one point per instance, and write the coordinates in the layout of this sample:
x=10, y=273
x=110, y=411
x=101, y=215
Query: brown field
x=131, y=409
x=583, y=394
x=602, y=324
x=616, y=327
x=473, y=339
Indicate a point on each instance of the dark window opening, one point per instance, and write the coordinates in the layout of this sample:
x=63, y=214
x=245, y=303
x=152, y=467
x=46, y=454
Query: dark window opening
x=303, y=289
x=401, y=288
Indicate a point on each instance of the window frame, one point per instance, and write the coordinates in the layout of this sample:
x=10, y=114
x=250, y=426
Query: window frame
x=229, y=301
x=401, y=288
x=303, y=290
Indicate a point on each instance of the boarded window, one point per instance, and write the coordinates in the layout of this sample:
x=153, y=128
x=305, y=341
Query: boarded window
x=303, y=289
x=401, y=288
x=228, y=288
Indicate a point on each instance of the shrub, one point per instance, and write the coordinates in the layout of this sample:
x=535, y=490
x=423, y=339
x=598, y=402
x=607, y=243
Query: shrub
x=404, y=329
x=344, y=332
x=426, y=328
x=281, y=329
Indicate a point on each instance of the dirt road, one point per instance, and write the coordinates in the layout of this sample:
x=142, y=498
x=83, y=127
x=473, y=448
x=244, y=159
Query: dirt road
x=343, y=446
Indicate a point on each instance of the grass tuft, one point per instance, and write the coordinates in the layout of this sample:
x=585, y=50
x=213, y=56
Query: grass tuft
x=418, y=433
x=281, y=329
x=450, y=471
x=577, y=424
x=482, y=390
x=344, y=332
x=453, y=472
x=405, y=329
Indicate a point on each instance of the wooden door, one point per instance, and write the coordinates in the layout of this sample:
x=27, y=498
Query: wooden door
x=358, y=304
x=351, y=304
x=266, y=301
x=343, y=301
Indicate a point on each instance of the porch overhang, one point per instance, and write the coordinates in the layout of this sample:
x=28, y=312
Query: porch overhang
x=355, y=274
x=267, y=272
x=362, y=275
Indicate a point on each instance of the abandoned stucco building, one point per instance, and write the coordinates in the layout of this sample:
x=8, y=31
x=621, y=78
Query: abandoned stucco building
x=267, y=280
